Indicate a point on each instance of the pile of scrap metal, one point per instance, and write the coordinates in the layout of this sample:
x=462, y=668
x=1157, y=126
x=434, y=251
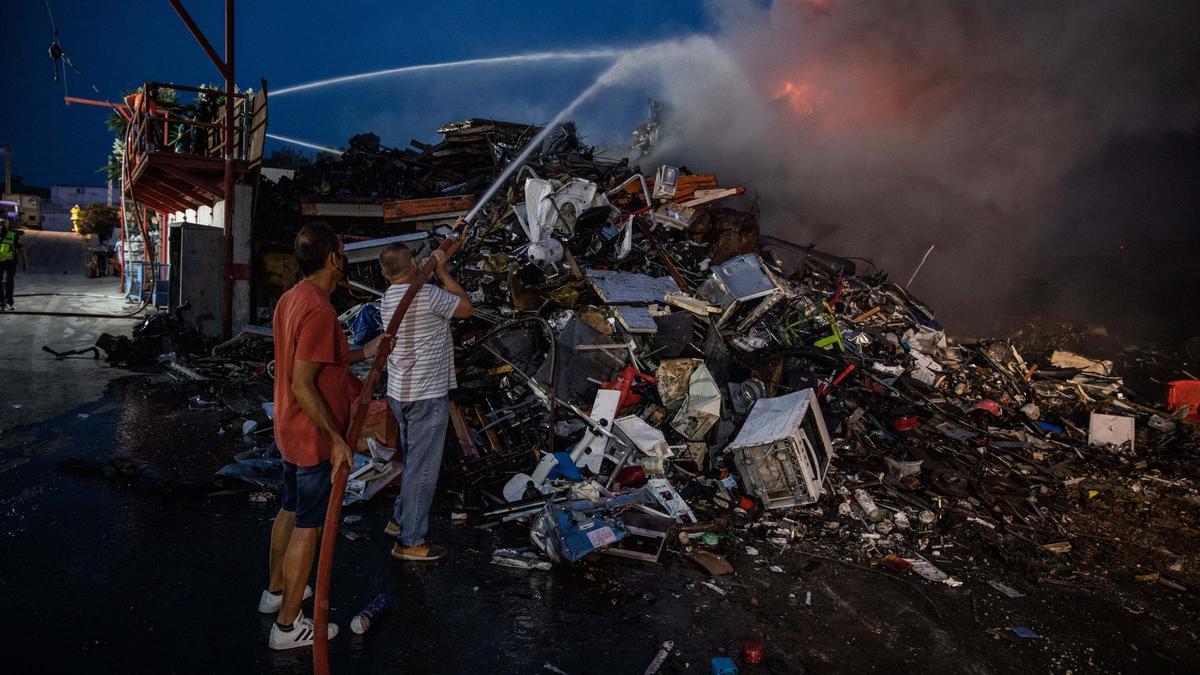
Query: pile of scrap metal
x=158, y=333
x=643, y=360
x=350, y=190
x=168, y=340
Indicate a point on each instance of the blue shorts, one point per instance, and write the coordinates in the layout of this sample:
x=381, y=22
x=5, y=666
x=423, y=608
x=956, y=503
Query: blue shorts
x=306, y=492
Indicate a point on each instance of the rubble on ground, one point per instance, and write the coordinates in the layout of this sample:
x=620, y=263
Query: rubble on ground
x=647, y=375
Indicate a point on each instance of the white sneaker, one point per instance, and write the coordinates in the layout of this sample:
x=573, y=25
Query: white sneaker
x=301, y=634
x=269, y=603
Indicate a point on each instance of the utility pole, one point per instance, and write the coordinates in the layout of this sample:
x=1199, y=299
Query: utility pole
x=230, y=86
x=226, y=68
x=7, y=170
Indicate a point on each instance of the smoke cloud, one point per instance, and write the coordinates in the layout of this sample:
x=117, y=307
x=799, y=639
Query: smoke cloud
x=880, y=128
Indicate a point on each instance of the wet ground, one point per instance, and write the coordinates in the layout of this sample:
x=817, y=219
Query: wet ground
x=160, y=571
x=33, y=384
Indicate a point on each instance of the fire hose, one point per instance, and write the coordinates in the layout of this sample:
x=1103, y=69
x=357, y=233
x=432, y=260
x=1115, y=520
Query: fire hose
x=358, y=417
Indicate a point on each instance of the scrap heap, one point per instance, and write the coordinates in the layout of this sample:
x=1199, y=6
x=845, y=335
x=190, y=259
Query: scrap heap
x=642, y=361
x=469, y=157
x=645, y=367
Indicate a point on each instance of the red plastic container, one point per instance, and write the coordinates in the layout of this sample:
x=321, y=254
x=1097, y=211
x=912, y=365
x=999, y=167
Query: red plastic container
x=1184, y=392
x=752, y=651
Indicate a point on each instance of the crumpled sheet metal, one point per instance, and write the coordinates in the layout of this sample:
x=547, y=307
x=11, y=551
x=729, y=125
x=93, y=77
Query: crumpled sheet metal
x=647, y=439
x=702, y=407
x=621, y=288
x=673, y=377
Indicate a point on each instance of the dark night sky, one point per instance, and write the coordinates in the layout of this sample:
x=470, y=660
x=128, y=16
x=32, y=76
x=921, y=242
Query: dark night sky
x=120, y=44
x=1051, y=151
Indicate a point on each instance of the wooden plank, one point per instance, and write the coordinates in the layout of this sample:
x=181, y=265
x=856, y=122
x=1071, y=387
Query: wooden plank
x=334, y=210
x=407, y=210
x=258, y=127
x=706, y=196
x=685, y=186
x=492, y=437
x=463, y=432
x=575, y=271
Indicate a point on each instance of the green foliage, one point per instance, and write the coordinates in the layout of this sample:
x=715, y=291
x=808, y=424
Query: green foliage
x=100, y=220
x=112, y=170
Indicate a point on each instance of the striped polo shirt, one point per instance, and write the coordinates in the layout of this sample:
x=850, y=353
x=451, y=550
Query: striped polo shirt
x=422, y=363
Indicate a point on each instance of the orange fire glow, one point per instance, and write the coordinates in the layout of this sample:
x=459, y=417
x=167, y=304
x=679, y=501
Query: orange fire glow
x=800, y=97
x=848, y=95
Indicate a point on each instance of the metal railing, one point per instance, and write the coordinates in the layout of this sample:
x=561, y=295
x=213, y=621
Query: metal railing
x=149, y=128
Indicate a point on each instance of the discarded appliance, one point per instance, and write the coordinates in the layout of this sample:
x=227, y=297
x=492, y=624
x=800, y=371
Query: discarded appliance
x=739, y=284
x=552, y=205
x=783, y=450
x=372, y=473
x=566, y=535
x=1111, y=430
x=552, y=465
x=665, y=182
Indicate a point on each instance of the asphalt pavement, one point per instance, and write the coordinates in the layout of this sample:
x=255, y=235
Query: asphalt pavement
x=36, y=384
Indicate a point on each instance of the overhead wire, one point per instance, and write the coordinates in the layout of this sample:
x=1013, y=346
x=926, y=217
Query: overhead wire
x=58, y=54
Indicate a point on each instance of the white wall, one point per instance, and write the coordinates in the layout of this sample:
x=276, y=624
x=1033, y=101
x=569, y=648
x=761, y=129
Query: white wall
x=201, y=216
x=70, y=195
x=56, y=217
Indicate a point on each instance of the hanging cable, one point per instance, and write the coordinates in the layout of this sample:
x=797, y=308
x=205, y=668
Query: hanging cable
x=60, y=61
x=56, y=51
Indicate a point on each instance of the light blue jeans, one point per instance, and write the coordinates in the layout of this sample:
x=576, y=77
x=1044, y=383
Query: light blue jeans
x=421, y=439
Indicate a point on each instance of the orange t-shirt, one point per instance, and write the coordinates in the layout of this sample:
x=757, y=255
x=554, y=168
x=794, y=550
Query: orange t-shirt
x=306, y=328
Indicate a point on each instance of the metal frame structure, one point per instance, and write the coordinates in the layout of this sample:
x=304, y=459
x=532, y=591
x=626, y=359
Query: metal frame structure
x=177, y=182
x=226, y=69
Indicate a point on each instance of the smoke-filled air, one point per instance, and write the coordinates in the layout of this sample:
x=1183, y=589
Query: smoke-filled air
x=881, y=128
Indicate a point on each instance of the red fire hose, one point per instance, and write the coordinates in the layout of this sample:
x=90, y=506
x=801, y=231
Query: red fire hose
x=333, y=513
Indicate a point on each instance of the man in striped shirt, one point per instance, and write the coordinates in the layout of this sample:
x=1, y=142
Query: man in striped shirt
x=420, y=377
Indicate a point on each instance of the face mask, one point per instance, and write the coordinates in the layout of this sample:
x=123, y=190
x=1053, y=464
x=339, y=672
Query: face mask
x=341, y=264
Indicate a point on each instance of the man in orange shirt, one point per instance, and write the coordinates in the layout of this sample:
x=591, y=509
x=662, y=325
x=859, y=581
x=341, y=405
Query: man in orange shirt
x=312, y=408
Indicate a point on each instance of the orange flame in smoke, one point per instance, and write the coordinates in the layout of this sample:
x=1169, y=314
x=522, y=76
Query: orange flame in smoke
x=799, y=97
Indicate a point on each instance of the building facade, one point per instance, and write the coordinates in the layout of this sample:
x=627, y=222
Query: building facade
x=29, y=207
x=56, y=214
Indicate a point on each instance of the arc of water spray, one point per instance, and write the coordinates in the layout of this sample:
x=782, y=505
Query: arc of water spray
x=490, y=61
x=606, y=78
x=305, y=144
